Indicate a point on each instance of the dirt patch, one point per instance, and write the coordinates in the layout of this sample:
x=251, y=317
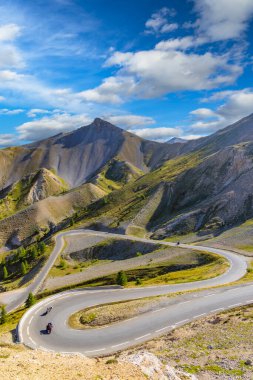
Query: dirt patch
x=114, y=249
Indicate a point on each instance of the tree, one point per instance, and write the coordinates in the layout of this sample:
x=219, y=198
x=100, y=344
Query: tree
x=42, y=247
x=3, y=316
x=30, y=300
x=23, y=268
x=121, y=278
x=33, y=252
x=5, y=273
x=71, y=222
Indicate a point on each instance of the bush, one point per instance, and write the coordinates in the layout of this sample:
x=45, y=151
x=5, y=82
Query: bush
x=121, y=278
x=111, y=361
x=63, y=264
x=84, y=319
x=138, y=281
x=3, y=316
x=30, y=300
x=5, y=273
x=138, y=254
x=23, y=268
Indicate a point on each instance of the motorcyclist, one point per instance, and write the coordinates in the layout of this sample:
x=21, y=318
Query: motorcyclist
x=49, y=309
x=49, y=327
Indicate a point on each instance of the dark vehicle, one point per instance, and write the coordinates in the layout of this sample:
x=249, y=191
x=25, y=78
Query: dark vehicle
x=49, y=327
x=178, y=242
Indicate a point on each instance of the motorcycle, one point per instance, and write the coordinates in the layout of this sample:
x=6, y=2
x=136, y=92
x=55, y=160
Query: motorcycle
x=49, y=328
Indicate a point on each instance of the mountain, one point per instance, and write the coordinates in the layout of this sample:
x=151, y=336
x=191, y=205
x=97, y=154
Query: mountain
x=78, y=156
x=109, y=177
x=206, y=189
x=175, y=140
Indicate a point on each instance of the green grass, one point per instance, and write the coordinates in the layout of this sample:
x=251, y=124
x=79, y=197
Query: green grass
x=73, y=267
x=125, y=203
x=169, y=272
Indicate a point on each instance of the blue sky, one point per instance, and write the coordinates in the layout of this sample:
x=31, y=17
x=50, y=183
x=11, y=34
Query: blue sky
x=156, y=68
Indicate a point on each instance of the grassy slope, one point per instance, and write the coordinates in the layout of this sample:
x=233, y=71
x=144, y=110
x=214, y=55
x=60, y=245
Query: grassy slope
x=17, y=198
x=195, y=268
x=123, y=205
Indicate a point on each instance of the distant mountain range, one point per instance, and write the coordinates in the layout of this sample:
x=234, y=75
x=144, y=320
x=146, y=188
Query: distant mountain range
x=105, y=176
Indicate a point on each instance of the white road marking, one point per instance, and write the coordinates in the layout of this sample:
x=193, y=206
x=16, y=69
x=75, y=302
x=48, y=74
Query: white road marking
x=199, y=315
x=120, y=344
x=209, y=295
x=220, y=309
x=143, y=336
x=164, y=328
x=156, y=311
x=32, y=341
x=185, y=320
x=235, y=304
x=27, y=331
x=184, y=302
x=89, y=352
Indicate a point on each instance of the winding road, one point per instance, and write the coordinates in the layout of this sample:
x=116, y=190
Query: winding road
x=109, y=339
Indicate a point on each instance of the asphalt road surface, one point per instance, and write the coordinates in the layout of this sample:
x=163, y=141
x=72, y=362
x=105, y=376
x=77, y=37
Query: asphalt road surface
x=106, y=340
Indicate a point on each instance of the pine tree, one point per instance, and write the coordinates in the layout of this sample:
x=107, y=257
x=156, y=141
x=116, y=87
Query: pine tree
x=33, y=252
x=23, y=268
x=3, y=316
x=30, y=300
x=5, y=273
x=42, y=247
x=121, y=278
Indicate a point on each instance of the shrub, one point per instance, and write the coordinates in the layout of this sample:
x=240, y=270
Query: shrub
x=84, y=319
x=63, y=264
x=30, y=300
x=138, y=281
x=23, y=268
x=5, y=273
x=121, y=278
x=3, y=316
x=138, y=254
x=111, y=361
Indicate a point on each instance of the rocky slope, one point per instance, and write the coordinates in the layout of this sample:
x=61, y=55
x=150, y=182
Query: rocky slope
x=151, y=188
x=79, y=155
x=28, y=190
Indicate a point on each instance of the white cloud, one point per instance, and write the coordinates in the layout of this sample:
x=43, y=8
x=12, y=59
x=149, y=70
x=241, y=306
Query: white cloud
x=129, y=121
x=10, y=57
x=37, y=111
x=50, y=125
x=183, y=43
x=238, y=105
x=2, y=98
x=223, y=19
x=160, y=134
x=158, y=22
x=7, y=139
x=203, y=113
x=9, y=32
x=110, y=90
x=6, y=111
x=153, y=73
